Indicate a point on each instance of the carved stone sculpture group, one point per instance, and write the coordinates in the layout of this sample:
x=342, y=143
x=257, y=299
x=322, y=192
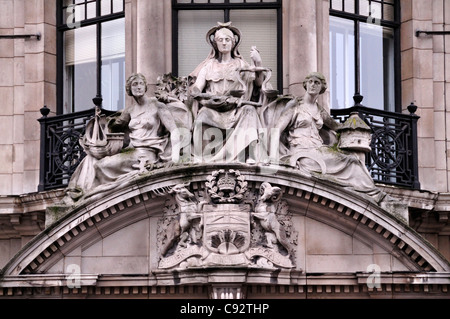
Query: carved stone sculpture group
x=225, y=111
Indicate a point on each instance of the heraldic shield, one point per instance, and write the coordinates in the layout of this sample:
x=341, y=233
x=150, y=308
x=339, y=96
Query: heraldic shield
x=227, y=228
x=226, y=222
x=219, y=231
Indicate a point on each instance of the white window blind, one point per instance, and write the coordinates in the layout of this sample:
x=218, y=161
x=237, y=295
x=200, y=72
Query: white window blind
x=81, y=43
x=113, y=39
x=377, y=67
x=193, y=25
x=81, y=66
x=258, y=28
x=342, y=62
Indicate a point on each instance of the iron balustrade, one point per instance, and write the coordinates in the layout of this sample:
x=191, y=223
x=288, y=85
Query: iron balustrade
x=61, y=152
x=393, y=159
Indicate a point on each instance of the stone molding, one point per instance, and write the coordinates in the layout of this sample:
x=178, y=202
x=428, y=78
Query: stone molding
x=29, y=203
x=23, y=216
x=429, y=211
x=200, y=285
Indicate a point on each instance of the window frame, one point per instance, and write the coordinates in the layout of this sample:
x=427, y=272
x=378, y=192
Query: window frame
x=227, y=6
x=395, y=25
x=61, y=28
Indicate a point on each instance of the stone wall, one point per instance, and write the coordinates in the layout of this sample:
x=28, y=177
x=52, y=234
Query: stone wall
x=424, y=77
x=27, y=83
x=305, y=43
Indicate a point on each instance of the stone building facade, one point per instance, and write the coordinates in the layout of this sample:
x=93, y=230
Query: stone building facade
x=345, y=246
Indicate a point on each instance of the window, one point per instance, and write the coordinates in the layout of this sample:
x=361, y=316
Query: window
x=258, y=20
x=364, y=48
x=91, y=54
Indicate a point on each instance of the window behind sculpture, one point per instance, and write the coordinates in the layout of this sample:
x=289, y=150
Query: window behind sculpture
x=364, y=53
x=91, y=51
x=258, y=20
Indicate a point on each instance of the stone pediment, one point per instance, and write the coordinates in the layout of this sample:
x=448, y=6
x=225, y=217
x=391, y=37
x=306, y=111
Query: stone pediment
x=122, y=232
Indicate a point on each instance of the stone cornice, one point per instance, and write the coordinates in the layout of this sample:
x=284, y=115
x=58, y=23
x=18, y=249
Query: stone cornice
x=25, y=215
x=429, y=211
x=198, y=284
x=47, y=281
x=420, y=199
x=28, y=203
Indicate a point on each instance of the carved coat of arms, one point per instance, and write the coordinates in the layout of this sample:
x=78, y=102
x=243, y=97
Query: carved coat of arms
x=227, y=228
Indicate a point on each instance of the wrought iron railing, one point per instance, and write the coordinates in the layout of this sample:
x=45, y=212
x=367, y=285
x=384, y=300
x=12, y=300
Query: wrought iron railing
x=61, y=152
x=394, y=156
x=393, y=159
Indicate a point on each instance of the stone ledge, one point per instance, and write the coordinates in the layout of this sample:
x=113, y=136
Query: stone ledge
x=28, y=203
x=24, y=215
x=47, y=281
x=429, y=211
x=419, y=199
x=392, y=285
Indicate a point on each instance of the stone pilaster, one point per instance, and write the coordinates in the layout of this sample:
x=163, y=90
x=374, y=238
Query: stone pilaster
x=153, y=48
x=306, y=43
x=7, y=63
x=39, y=81
x=419, y=75
x=27, y=82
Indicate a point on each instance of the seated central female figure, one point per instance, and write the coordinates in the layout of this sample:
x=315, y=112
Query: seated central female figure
x=227, y=122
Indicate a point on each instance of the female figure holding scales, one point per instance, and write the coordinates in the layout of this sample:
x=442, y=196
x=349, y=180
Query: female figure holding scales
x=225, y=100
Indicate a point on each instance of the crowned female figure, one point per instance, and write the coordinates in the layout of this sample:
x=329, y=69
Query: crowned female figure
x=226, y=94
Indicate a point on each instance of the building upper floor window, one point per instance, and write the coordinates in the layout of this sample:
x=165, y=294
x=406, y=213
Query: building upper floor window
x=364, y=53
x=91, y=54
x=258, y=20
